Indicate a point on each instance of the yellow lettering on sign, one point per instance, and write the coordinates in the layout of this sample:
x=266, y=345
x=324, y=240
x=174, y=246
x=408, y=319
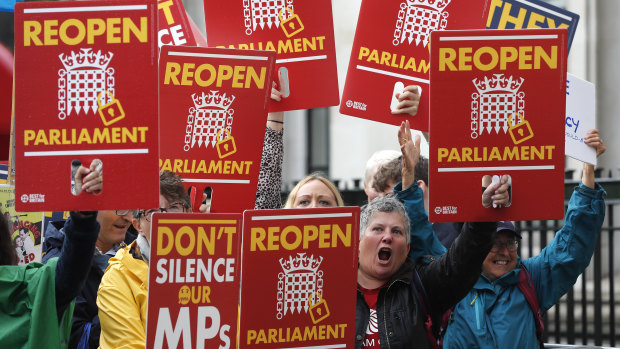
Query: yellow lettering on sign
x=73, y=31
x=481, y=154
x=207, y=75
x=297, y=45
x=107, y=135
x=488, y=58
x=292, y=237
x=296, y=334
x=392, y=60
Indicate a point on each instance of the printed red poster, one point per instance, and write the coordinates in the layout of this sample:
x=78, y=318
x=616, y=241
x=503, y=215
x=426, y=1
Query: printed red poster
x=300, y=31
x=213, y=111
x=193, y=281
x=503, y=95
x=175, y=26
x=391, y=51
x=298, y=278
x=85, y=77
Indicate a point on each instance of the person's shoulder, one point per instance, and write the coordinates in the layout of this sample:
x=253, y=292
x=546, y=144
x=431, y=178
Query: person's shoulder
x=125, y=262
x=54, y=231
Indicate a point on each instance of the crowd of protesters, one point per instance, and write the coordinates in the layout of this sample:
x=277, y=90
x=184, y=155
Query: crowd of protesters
x=413, y=291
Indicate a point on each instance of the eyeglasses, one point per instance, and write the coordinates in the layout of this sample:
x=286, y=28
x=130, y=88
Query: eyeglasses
x=175, y=207
x=511, y=245
x=122, y=212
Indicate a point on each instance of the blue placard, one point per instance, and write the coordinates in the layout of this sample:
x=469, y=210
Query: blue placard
x=8, y=5
x=526, y=14
x=4, y=173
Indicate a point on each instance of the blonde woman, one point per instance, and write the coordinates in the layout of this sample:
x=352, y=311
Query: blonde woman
x=314, y=191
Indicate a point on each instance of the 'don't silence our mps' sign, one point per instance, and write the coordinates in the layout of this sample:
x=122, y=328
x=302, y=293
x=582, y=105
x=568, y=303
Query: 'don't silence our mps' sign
x=391, y=51
x=503, y=92
x=301, y=32
x=176, y=27
x=213, y=111
x=84, y=77
x=193, y=281
x=298, y=279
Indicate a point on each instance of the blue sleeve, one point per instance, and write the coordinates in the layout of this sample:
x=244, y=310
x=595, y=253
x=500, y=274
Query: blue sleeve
x=558, y=265
x=76, y=256
x=423, y=239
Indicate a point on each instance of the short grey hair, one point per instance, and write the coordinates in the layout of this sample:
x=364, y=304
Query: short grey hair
x=384, y=204
x=378, y=158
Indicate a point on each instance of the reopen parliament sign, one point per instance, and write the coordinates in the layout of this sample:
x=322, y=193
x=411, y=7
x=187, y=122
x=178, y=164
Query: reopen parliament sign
x=84, y=93
x=298, y=278
x=391, y=51
x=213, y=111
x=503, y=93
x=301, y=33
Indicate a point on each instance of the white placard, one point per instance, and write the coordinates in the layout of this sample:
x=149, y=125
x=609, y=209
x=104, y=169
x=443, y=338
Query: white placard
x=580, y=118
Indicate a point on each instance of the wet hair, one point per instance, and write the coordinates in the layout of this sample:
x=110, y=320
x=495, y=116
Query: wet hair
x=388, y=173
x=290, y=201
x=421, y=170
x=7, y=250
x=171, y=187
x=384, y=204
x=376, y=159
x=391, y=172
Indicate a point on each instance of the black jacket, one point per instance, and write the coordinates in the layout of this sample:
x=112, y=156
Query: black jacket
x=400, y=316
x=85, y=310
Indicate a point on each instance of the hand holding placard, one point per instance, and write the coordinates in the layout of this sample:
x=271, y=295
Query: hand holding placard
x=408, y=100
x=89, y=179
x=497, y=193
x=593, y=139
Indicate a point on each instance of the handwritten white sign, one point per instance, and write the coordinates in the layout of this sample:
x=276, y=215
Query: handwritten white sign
x=580, y=118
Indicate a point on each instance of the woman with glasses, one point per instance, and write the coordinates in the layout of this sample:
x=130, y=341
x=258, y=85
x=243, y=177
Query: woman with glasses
x=122, y=296
x=495, y=313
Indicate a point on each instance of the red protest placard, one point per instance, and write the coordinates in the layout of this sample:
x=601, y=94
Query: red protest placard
x=93, y=98
x=175, y=26
x=299, y=273
x=302, y=34
x=213, y=111
x=391, y=51
x=503, y=94
x=193, y=281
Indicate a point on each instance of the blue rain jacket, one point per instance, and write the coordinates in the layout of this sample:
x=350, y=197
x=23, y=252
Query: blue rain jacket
x=496, y=314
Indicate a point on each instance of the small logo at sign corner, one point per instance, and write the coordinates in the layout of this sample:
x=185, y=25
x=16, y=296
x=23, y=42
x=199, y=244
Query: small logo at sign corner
x=446, y=210
x=184, y=295
x=32, y=198
x=356, y=105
